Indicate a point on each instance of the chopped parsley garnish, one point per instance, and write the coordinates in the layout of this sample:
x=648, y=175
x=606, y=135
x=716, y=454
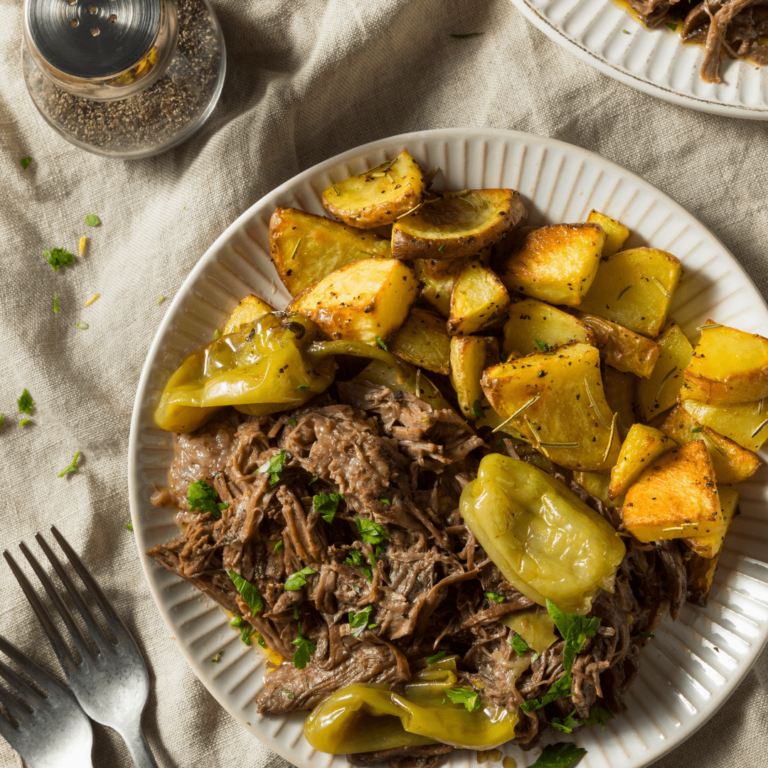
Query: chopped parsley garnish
x=83, y=326
x=58, y=257
x=278, y=546
x=575, y=630
x=274, y=467
x=236, y=621
x=436, y=657
x=467, y=34
x=466, y=696
x=495, y=596
x=386, y=501
x=326, y=505
x=355, y=558
x=92, y=220
x=381, y=343
x=260, y=640
x=559, y=755
x=304, y=650
x=296, y=612
x=26, y=403
x=313, y=480
x=246, y=630
x=24, y=422
x=55, y=302
x=216, y=334
x=129, y=526
x=25, y=161
x=160, y=301
x=2, y=417
x=371, y=532
x=358, y=620
x=477, y=410
x=293, y=422
x=247, y=591
x=625, y=31
x=302, y=386
x=299, y=579
x=697, y=429
x=519, y=646
x=288, y=694
x=597, y=716
x=217, y=657
x=202, y=497
x=72, y=467
x=542, y=345
x=647, y=634
x=672, y=26
x=374, y=556
x=369, y=575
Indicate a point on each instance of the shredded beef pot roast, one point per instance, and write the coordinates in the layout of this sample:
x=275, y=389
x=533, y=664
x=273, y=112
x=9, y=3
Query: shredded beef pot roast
x=401, y=464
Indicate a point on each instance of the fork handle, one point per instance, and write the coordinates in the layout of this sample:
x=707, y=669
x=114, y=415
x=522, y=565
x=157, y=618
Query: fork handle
x=139, y=749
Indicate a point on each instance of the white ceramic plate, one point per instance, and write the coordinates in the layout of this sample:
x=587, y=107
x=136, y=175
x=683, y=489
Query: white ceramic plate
x=684, y=677
x=654, y=61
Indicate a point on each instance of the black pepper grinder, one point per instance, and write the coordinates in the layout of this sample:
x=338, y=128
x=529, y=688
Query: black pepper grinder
x=123, y=78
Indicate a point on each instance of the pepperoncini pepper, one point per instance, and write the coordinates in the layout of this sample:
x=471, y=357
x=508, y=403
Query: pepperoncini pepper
x=364, y=717
x=275, y=364
x=543, y=538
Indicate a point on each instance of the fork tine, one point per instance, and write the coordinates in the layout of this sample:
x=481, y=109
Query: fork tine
x=69, y=620
x=90, y=620
x=29, y=667
x=114, y=622
x=13, y=706
x=23, y=687
x=55, y=638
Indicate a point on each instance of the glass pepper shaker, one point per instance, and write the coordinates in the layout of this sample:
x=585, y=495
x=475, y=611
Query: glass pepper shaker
x=123, y=78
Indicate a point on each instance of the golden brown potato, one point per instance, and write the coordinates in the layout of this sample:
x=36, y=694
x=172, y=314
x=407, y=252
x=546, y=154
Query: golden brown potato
x=597, y=485
x=437, y=281
x=731, y=462
x=728, y=366
x=556, y=402
x=534, y=326
x=634, y=288
x=616, y=234
x=675, y=497
x=659, y=392
x=744, y=423
x=366, y=300
x=622, y=349
x=305, y=248
x=620, y=396
x=556, y=264
x=642, y=446
x=468, y=355
x=457, y=224
x=709, y=546
x=423, y=341
x=250, y=309
x=479, y=300
x=378, y=196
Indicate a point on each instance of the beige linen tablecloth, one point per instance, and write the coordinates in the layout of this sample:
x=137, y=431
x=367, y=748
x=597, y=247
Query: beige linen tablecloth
x=307, y=79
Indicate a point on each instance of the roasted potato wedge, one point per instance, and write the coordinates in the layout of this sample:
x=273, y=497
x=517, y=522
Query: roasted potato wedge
x=249, y=309
x=423, y=341
x=456, y=224
x=700, y=574
x=468, y=356
x=597, y=485
x=534, y=326
x=367, y=300
x=437, y=282
x=622, y=349
x=744, y=423
x=378, y=196
x=728, y=366
x=556, y=264
x=709, y=546
x=305, y=248
x=616, y=234
x=634, y=288
x=556, y=402
x=642, y=446
x=675, y=497
x=731, y=462
x=620, y=396
x=659, y=392
x=479, y=300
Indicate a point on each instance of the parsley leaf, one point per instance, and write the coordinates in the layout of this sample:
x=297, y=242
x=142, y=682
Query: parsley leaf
x=246, y=630
x=201, y=497
x=358, y=621
x=313, y=480
x=278, y=546
x=381, y=343
x=55, y=302
x=58, y=257
x=519, y=646
x=129, y=526
x=436, y=657
x=24, y=422
x=302, y=386
x=477, y=410
x=672, y=26
x=468, y=34
x=2, y=417
x=296, y=612
x=304, y=650
x=697, y=429
x=542, y=345
x=565, y=725
x=355, y=557
x=217, y=657
x=597, y=716
x=495, y=596
x=274, y=467
x=559, y=755
x=367, y=573
x=647, y=634
x=247, y=591
x=327, y=504
x=386, y=501
x=260, y=640
x=26, y=403
x=371, y=532
x=466, y=696
x=293, y=422
x=298, y=580
x=72, y=467
x=92, y=220
x=288, y=694
x=25, y=161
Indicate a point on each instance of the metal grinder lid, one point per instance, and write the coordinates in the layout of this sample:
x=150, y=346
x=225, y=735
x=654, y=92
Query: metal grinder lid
x=92, y=39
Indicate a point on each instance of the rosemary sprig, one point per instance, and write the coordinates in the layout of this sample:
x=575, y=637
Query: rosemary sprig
x=537, y=443
x=661, y=287
x=708, y=326
x=759, y=429
x=655, y=400
x=760, y=407
x=430, y=177
x=594, y=405
x=624, y=290
x=296, y=249
x=413, y=210
x=546, y=444
x=517, y=413
x=610, y=438
x=336, y=190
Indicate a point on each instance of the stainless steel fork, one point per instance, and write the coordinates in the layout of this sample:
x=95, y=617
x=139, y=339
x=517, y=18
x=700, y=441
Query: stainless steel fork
x=56, y=733
x=111, y=685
